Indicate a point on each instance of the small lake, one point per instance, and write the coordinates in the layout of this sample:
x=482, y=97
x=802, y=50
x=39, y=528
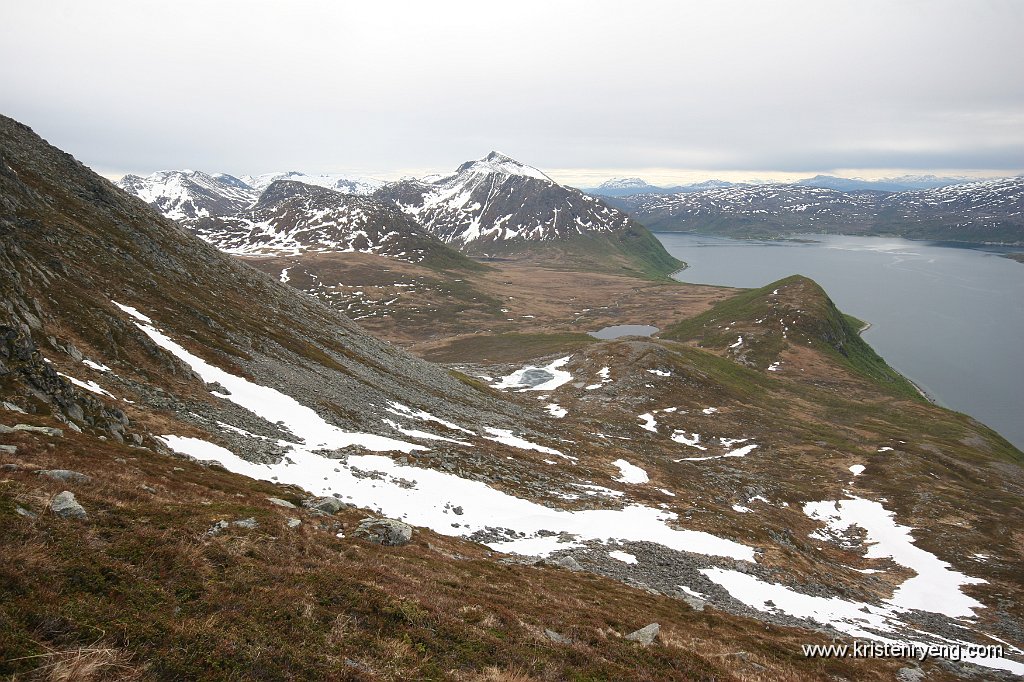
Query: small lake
x=617, y=330
x=948, y=317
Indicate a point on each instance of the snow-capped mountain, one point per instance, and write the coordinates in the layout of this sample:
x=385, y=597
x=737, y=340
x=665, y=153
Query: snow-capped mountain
x=497, y=199
x=291, y=218
x=187, y=194
x=339, y=183
x=990, y=210
x=1004, y=197
x=770, y=204
x=493, y=204
x=620, y=187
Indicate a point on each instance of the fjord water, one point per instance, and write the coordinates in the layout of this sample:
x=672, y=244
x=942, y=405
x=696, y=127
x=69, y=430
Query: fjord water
x=949, y=318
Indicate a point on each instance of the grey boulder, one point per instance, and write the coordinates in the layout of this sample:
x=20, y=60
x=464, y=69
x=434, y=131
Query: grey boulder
x=645, y=635
x=65, y=475
x=387, y=532
x=327, y=505
x=66, y=506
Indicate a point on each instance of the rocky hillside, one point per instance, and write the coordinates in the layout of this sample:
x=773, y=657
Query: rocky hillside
x=631, y=509
x=988, y=211
x=291, y=218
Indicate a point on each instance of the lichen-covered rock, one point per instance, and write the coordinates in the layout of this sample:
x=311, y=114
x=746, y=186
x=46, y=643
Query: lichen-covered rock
x=66, y=506
x=327, y=505
x=45, y=430
x=387, y=532
x=65, y=475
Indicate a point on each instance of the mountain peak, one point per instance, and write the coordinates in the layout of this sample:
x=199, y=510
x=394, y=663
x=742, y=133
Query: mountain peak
x=502, y=164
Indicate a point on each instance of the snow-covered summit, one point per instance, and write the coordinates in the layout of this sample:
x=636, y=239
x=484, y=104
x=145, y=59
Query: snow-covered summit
x=624, y=183
x=190, y=194
x=499, y=199
x=334, y=181
x=500, y=164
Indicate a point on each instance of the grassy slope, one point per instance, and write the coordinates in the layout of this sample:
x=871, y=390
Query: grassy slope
x=820, y=323
x=508, y=347
x=633, y=251
x=443, y=258
x=141, y=591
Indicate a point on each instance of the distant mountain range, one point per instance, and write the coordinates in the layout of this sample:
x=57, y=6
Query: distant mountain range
x=623, y=187
x=491, y=207
x=898, y=184
x=983, y=211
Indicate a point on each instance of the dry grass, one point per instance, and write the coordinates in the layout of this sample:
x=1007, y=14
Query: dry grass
x=82, y=664
x=492, y=674
x=303, y=603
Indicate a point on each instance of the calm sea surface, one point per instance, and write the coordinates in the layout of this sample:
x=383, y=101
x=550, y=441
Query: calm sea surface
x=949, y=318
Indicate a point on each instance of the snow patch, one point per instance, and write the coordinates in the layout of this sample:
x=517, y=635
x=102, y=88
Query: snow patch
x=90, y=385
x=533, y=378
x=630, y=473
x=935, y=588
x=505, y=437
x=650, y=424
x=556, y=411
x=739, y=452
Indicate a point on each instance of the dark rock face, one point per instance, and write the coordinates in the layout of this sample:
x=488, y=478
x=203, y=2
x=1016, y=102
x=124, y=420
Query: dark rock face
x=22, y=363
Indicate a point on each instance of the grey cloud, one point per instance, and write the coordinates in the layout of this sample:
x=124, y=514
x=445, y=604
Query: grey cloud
x=732, y=84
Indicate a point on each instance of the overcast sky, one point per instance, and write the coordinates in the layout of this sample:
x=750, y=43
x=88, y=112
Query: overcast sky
x=673, y=90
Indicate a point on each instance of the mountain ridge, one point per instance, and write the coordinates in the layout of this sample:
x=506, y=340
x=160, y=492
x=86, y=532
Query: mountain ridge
x=980, y=211
x=494, y=206
x=291, y=218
